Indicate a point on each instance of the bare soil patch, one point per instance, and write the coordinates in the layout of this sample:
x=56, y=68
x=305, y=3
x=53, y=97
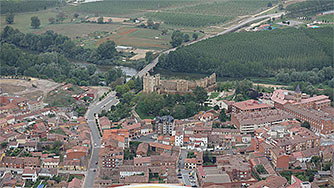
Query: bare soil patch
x=32, y=89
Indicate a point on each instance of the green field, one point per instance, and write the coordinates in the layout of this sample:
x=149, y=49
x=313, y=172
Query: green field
x=127, y=7
x=16, y=6
x=209, y=13
x=327, y=18
x=189, y=16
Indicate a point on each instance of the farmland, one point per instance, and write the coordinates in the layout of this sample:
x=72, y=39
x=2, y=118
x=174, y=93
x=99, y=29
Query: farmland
x=326, y=18
x=127, y=7
x=254, y=53
x=189, y=16
x=209, y=13
x=183, y=19
x=17, y=6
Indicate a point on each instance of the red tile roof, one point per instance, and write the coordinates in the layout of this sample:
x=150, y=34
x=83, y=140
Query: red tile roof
x=250, y=104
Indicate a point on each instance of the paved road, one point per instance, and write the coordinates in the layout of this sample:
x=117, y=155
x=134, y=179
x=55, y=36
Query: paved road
x=59, y=171
x=96, y=107
x=150, y=66
x=183, y=155
x=147, y=138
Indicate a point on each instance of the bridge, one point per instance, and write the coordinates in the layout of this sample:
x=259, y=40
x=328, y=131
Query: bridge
x=154, y=63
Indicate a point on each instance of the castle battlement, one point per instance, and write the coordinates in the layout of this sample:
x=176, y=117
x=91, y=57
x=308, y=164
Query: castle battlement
x=155, y=84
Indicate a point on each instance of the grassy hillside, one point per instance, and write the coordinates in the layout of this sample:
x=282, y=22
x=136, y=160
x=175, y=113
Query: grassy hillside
x=254, y=54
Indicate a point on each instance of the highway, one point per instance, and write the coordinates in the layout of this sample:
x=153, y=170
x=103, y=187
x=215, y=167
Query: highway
x=96, y=107
x=151, y=65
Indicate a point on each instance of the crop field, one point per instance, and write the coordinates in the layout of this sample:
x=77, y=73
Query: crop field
x=139, y=38
x=127, y=7
x=79, y=30
x=187, y=19
x=209, y=13
x=22, y=20
x=327, y=18
x=16, y=6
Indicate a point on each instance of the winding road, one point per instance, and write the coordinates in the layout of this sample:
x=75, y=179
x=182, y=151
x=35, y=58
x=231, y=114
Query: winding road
x=151, y=65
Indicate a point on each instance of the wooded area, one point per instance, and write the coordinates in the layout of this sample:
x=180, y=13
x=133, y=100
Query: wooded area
x=254, y=54
x=45, y=56
x=309, y=7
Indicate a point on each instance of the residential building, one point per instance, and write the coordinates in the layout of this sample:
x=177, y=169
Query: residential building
x=279, y=159
x=29, y=173
x=104, y=123
x=190, y=163
x=50, y=163
x=247, y=122
x=165, y=125
x=142, y=150
x=249, y=106
x=237, y=167
x=272, y=182
x=316, y=110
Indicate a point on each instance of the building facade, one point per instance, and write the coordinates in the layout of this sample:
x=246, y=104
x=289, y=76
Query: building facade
x=155, y=84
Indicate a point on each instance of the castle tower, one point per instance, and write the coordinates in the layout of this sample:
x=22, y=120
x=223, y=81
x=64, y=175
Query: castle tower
x=151, y=83
x=298, y=94
x=213, y=79
x=182, y=86
x=145, y=82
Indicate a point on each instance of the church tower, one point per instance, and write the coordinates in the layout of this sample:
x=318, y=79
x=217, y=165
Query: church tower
x=298, y=94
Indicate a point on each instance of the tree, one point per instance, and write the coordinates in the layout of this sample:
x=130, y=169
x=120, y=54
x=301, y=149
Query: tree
x=280, y=7
x=100, y=20
x=186, y=38
x=150, y=23
x=311, y=178
x=61, y=16
x=201, y=95
x=216, y=107
x=177, y=38
x=56, y=145
x=4, y=144
x=106, y=50
x=52, y=20
x=222, y=116
x=269, y=4
x=91, y=69
x=10, y=18
x=195, y=36
x=315, y=160
x=191, y=154
x=156, y=26
x=164, y=32
x=75, y=15
x=35, y=22
x=148, y=56
x=306, y=125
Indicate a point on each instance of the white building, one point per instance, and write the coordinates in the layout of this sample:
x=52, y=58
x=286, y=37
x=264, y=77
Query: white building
x=29, y=174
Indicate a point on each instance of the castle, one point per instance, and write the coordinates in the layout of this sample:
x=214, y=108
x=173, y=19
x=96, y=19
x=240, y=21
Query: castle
x=155, y=84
